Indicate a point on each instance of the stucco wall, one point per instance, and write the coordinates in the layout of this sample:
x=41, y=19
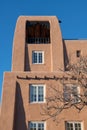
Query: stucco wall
x=72, y=46
x=26, y=111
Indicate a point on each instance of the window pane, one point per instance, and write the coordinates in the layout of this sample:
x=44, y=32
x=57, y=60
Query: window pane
x=33, y=93
x=74, y=90
x=40, y=58
x=67, y=93
x=77, y=126
x=40, y=126
x=69, y=126
x=75, y=94
x=32, y=126
x=40, y=93
x=34, y=57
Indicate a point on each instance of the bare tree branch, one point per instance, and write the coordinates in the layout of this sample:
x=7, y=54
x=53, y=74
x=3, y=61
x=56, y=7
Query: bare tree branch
x=73, y=92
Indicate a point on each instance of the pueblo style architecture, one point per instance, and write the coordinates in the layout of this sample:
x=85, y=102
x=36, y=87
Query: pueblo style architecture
x=39, y=53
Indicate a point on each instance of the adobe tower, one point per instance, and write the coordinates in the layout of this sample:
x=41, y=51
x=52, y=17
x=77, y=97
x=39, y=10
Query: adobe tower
x=39, y=52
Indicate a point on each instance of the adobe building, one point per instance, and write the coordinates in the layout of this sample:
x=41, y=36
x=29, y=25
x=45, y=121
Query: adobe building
x=38, y=52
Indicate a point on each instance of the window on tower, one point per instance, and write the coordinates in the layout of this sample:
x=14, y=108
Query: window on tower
x=37, y=32
x=37, y=57
x=78, y=53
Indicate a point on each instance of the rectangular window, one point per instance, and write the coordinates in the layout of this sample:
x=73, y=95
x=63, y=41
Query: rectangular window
x=72, y=93
x=37, y=57
x=74, y=126
x=37, y=32
x=36, y=126
x=78, y=53
x=37, y=93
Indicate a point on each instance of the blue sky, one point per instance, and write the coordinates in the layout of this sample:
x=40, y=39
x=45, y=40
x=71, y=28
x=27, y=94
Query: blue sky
x=72, y=13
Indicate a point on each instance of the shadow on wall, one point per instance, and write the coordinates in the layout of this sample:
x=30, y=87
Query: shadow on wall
x=19, y=117
x=27, y=62
x=66, y=59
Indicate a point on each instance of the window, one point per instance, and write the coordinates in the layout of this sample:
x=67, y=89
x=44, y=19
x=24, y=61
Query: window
x=37, y=32
x=71, y=93
x=36, y=126
x=37, y=57
x=37, y=93
x=74, y=126
x=78, y=53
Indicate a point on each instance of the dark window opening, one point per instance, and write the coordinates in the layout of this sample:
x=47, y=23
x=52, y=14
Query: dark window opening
x=78, y=53
x=37, y=32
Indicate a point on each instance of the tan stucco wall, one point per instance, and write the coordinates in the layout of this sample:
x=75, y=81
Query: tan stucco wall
x=26, y=111
x=8, y=102
x=72, y=46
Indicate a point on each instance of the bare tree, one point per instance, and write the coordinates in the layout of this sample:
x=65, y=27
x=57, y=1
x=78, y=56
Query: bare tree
x=73, y=92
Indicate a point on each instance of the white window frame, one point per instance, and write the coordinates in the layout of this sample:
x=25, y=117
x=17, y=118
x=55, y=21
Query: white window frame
x=73, y=123
x=74, y=99
x=38, y=52
x=44, y=93
x=36, y=122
